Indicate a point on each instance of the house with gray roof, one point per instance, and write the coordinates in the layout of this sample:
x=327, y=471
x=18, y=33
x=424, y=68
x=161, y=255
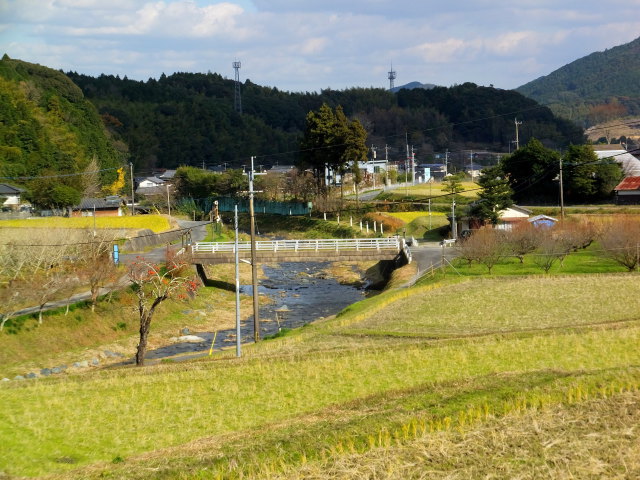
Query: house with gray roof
x=10, y=196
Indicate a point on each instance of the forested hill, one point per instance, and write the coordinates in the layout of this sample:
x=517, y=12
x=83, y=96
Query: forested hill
x=48, y=128
x=595, y=88
x=189, y=119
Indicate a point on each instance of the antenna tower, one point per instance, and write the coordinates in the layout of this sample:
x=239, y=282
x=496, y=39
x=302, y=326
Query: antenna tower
x=391, y=76
x=237, y=98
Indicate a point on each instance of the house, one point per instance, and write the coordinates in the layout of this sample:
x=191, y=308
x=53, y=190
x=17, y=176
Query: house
x=542, y=221
x=373, y=166
x=436, y=170
x=628, y=191
x=167, y=175
x=507, y=219
x=280, y=169
x=151, y=186
x=149, y=182
x=630, y=164
x=110, y=206
x=10, y=196
x=474, y=170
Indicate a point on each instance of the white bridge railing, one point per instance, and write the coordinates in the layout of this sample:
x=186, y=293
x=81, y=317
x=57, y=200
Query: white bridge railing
x=303, y=245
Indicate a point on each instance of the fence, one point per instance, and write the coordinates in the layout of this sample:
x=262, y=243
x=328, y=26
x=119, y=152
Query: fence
x=227, y=204
x=357, y=244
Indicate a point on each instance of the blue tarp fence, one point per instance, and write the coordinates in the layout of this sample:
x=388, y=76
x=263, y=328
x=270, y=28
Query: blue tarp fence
x=227, y=204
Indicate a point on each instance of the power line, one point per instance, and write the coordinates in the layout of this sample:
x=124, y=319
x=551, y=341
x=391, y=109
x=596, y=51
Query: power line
x=61, y=175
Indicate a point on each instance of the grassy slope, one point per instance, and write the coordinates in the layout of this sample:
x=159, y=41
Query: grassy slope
x=324, y=388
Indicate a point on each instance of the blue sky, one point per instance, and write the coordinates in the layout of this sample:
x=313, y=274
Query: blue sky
x=313, y=45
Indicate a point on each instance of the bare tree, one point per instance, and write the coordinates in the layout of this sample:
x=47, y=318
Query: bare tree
x=95, y=266
x=58, y=282
x=91, y=179
x=621, y=242
x=486, y=246
x=523, y=239
x=13, y=296
x=549, y=252
x=153, y=284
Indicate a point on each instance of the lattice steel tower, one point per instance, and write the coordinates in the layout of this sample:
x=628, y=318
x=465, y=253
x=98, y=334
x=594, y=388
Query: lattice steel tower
x=237, y=98
x=392, y=77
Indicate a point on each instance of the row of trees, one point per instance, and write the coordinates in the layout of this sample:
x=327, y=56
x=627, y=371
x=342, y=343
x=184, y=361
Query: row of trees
x=74, y=262
x=619, y=240
x=36, y=274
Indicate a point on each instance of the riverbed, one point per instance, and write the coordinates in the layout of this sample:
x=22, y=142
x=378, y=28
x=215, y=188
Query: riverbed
x=305, y=288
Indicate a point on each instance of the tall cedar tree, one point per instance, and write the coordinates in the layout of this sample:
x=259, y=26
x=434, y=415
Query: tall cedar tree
x=331, y=140
x=494, y=197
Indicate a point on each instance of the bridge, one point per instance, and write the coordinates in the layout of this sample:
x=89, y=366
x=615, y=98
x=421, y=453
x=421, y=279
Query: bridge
x=332, y=250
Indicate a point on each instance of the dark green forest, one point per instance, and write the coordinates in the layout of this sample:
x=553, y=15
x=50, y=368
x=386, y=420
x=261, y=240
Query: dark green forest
x=48, y=128
x=593, y=89
x=189, y=119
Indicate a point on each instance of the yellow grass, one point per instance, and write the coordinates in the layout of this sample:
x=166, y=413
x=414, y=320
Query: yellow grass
x=156, y=223
x=471, y=190
x=594, y=439
x=408, y=217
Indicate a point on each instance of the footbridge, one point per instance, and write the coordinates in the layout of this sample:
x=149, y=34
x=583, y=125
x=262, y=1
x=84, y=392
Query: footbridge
x=331, y=250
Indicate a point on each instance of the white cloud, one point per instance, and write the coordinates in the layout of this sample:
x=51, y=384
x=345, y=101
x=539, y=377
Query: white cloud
x=312, y=44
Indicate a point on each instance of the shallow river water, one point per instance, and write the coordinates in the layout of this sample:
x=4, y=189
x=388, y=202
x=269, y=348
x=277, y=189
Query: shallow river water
x=304, y=288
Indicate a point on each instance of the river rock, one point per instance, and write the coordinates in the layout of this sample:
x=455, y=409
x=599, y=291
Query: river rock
x=56, y=370
x=81, y=364
x=45, y=372
x=185, y=331
x=18, y=377
x=188, y=339
x=31, y=375
x=95, y=362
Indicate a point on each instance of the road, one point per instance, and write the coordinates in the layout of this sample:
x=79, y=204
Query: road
x=429, y=255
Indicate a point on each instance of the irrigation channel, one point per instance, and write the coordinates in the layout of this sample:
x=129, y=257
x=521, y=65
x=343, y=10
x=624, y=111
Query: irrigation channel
x=304, y=287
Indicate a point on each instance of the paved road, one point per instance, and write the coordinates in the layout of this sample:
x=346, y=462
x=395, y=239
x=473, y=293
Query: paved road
x=429, y=255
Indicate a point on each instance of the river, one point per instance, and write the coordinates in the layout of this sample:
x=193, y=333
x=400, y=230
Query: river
x=304, y=287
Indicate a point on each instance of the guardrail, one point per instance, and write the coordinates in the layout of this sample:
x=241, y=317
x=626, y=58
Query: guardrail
x=302, y=245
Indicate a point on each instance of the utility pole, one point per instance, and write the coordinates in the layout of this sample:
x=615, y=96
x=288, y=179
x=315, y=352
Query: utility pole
x=254, y=266
x=561, y=192
x=133, y=210
x=238, y=334
x=413, y=166
x=454, y=226
x=168, y=201
x=517, y=137
x=446, y=162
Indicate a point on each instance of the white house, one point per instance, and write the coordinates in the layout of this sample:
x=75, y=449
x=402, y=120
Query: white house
x=149, y=182
x=10, y=196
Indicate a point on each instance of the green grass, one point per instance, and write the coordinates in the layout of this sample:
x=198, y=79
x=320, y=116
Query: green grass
x=260, y=397
x=503, y=305
x=582, y=261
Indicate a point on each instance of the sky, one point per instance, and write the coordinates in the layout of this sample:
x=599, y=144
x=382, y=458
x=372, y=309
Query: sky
x=306, y=46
